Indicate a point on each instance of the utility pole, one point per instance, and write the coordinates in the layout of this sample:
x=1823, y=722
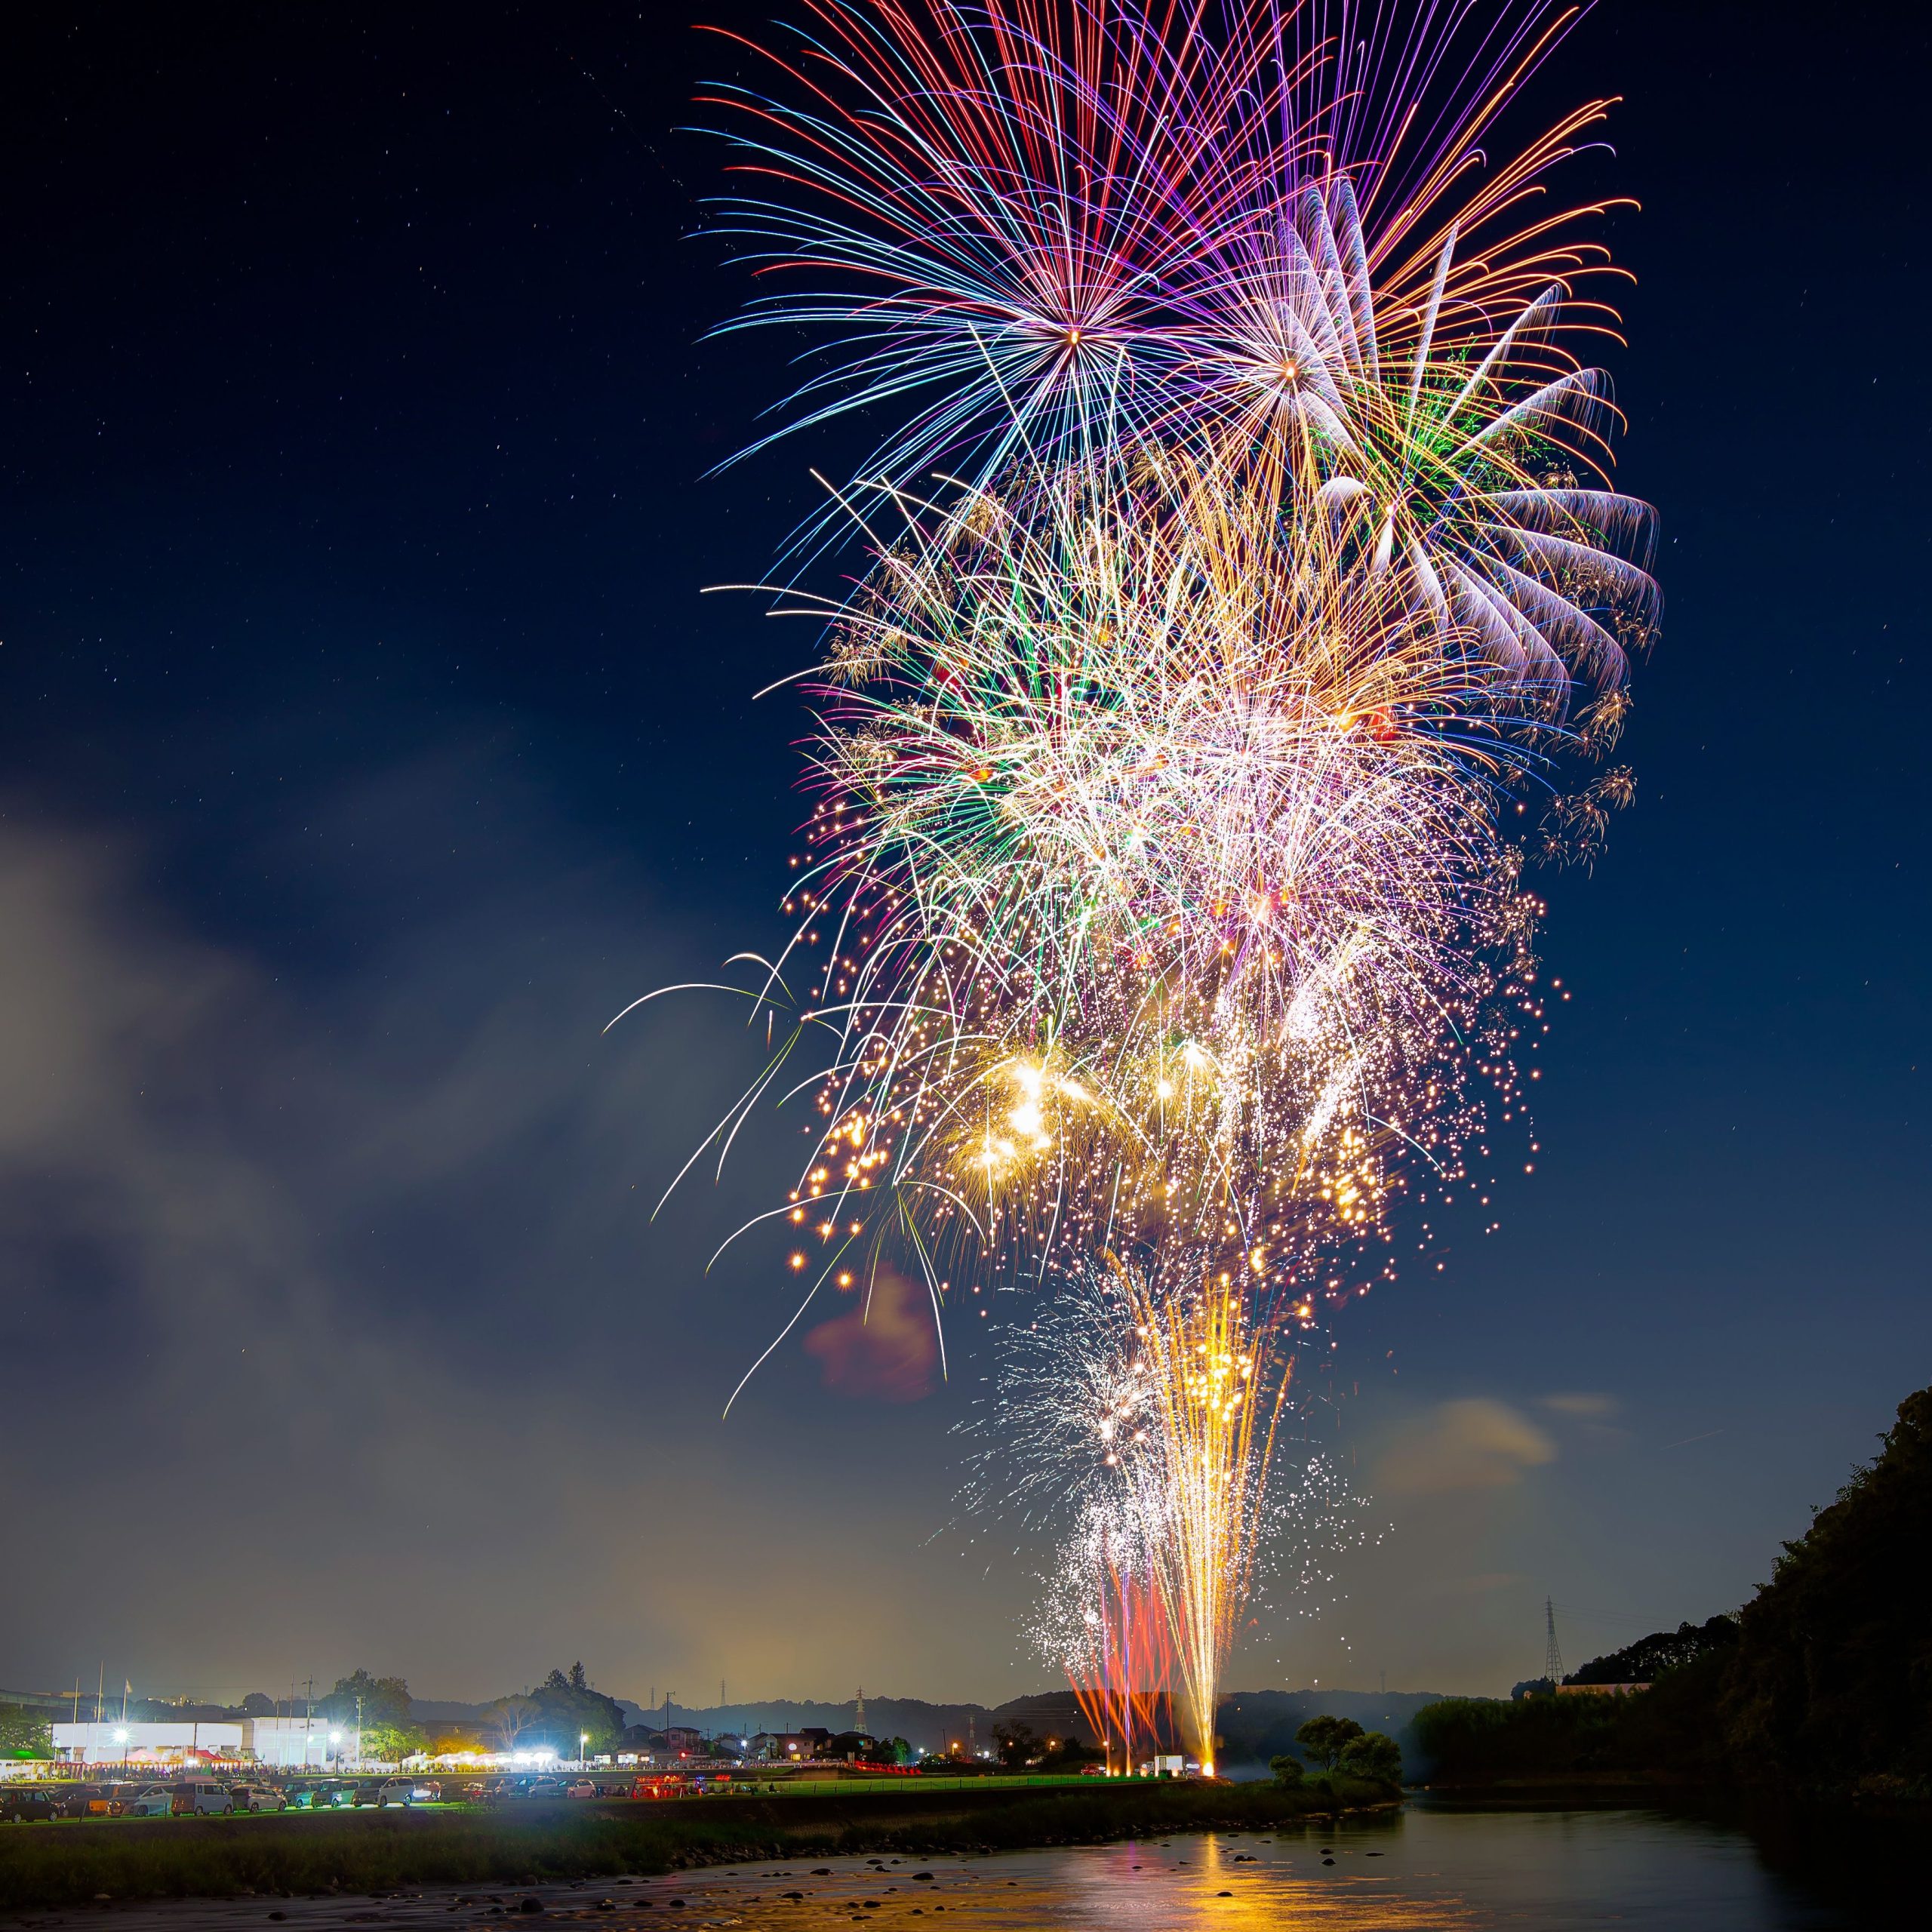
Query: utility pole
x=1552, y=1658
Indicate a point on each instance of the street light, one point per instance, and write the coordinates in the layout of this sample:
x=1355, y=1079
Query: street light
x=582, y=1745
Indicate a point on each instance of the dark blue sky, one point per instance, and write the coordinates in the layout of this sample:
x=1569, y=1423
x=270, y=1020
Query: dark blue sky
x=365, y=743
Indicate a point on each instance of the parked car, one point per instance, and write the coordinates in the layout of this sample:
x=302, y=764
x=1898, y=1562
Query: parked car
x=258, y=1798
x=78, y=1801
x=25, y=1803
x=542, y=1788
x=579, y=1788
x=201, y=1797
x=366, y=1791
x=321, y=1795
x=151, y=1801
x=409, y=1791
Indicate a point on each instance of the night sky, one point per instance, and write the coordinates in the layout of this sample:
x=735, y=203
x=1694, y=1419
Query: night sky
x=367, y=744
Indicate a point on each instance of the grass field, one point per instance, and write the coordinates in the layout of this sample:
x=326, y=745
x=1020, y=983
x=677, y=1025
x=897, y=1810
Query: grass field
x=67, y=1863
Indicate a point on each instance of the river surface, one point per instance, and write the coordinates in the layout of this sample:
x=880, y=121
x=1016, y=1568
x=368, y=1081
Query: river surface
x=1429, y=1866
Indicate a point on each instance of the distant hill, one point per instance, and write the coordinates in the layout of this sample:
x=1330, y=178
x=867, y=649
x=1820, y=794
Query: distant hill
x=933, y=1726
x=1256, y=1724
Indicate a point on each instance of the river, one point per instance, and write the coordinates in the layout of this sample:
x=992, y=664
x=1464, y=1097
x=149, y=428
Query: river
x=1430, y=1865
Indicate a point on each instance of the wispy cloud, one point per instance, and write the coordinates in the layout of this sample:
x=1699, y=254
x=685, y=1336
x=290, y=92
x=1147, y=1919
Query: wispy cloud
x=1587, y=1407
x=1476, y=1444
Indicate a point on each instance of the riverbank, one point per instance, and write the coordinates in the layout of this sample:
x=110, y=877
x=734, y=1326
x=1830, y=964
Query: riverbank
x=1541, y=1788
x=291, y=1854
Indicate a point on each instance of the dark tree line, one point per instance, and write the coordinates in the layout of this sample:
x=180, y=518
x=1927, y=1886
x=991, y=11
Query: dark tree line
x=1823, y=1681
x=1646, y=1660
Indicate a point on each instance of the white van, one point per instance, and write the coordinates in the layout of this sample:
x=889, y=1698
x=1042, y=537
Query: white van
x=202, y=1795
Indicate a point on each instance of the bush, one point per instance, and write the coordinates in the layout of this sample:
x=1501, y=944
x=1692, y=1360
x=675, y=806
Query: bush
x=1288, y=1770
x=25, y=1732
x=1325, y=1738
x=1372, y=1756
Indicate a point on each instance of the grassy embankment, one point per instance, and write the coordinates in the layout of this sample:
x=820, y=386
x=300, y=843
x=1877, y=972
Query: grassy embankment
x=376, y=1851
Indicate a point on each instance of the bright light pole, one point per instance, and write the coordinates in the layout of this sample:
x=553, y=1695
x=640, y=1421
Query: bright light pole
x=583, y=1746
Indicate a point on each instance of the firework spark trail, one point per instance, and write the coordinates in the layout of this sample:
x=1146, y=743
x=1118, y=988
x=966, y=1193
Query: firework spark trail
x=1139, y=1415
x=1212, y=1408
x=1162, y=895
x=1102, y=1623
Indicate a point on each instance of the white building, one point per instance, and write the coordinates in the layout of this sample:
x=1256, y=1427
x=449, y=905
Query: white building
x=296, y=1742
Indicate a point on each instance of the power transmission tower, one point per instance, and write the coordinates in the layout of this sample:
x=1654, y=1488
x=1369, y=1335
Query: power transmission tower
x=1552, y=1658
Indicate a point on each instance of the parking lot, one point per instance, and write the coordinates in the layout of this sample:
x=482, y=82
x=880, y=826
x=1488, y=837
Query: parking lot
x=237, y=1795
x=243, y=1794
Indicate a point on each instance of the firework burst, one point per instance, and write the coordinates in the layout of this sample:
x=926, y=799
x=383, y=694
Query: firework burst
x=1162, y=896
x=1158, y=864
